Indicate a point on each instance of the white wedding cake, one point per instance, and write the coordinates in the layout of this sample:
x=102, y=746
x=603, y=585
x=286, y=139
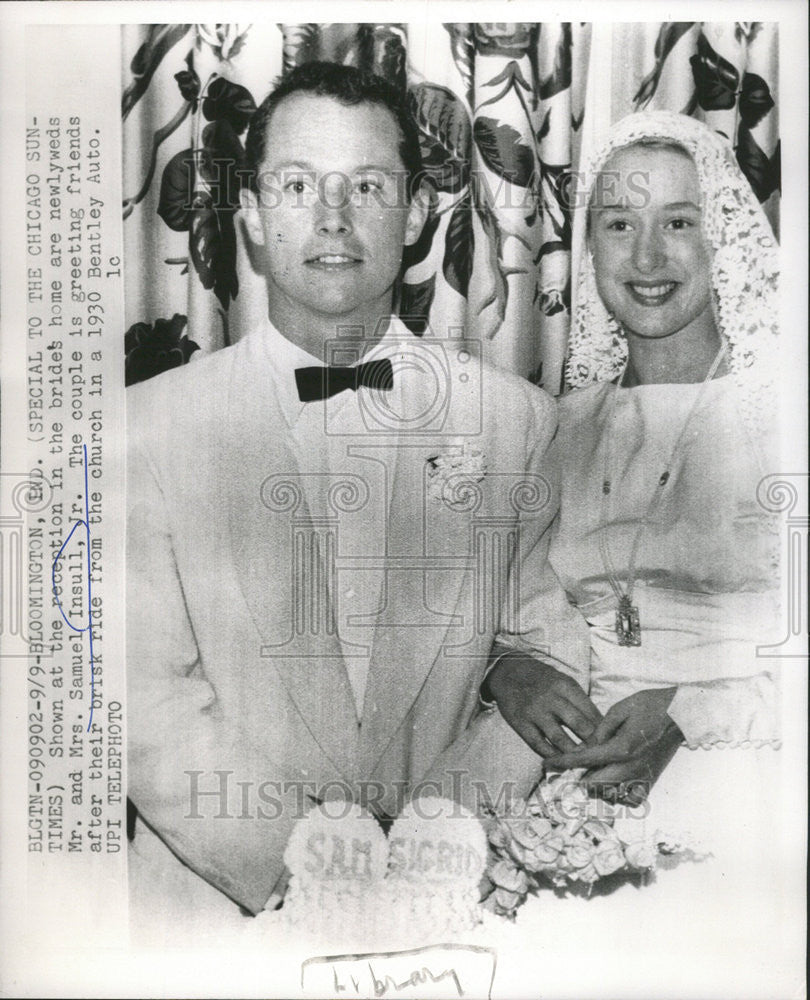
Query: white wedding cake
x=351, y=884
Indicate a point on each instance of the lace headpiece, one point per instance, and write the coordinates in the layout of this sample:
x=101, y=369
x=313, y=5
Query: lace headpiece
x=745, y=263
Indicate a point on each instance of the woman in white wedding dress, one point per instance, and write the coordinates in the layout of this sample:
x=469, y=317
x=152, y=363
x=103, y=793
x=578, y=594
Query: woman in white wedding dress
x=664, y=544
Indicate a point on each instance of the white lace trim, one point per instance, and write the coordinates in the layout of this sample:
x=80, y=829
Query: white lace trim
x=774, y=742
x=745, y=264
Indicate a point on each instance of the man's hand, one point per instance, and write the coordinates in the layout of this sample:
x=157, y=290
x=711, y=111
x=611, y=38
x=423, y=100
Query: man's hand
x=537, y=700
x=629, y=748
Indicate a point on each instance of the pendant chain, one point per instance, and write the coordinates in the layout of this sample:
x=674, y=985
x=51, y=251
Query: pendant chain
x=628, y=628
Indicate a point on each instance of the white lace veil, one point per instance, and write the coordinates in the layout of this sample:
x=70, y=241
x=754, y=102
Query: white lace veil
x=745, y=264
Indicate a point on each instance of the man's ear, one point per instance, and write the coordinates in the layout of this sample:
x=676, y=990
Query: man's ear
x=417, y=215
x=250, y=213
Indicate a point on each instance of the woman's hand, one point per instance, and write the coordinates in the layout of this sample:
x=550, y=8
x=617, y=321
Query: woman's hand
x=537, y=700
x=629, y=748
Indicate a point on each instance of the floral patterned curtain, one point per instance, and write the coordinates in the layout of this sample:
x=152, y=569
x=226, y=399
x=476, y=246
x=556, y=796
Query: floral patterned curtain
x=505, y=111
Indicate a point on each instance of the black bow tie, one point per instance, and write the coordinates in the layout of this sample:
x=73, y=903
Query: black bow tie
x=321, y=383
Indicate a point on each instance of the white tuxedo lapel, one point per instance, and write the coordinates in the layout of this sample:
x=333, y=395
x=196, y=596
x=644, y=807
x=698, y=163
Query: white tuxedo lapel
x=274, y=544
x=429, y=554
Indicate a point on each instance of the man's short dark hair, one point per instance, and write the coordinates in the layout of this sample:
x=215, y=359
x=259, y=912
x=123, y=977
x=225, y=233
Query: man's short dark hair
x=349, y=86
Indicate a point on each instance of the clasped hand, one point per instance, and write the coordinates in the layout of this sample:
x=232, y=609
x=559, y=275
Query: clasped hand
x=537, y=700
x=625, y=751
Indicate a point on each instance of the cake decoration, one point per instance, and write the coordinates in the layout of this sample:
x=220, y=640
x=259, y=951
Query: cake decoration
x=422, y=881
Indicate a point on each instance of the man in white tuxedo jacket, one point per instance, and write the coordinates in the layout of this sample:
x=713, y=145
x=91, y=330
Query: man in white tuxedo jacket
x=321, y=561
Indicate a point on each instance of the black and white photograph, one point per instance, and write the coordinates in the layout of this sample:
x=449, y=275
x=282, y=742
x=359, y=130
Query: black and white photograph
x=404, y=481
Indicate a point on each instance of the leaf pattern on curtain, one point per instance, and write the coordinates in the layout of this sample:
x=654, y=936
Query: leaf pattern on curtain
x=504, y=116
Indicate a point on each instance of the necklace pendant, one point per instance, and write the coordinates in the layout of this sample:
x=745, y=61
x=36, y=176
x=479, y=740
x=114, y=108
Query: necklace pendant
x=628, y=626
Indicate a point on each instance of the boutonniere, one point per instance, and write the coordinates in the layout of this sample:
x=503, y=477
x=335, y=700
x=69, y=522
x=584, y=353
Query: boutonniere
x=451, y=473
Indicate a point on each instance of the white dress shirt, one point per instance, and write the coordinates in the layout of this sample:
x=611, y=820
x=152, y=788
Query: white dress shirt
x=327, y=436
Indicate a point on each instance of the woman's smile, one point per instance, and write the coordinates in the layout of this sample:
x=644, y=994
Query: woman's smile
x=652, y=295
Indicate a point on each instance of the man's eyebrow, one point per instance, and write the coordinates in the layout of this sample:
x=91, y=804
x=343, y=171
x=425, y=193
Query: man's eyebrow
x=379, y=167
x=362, y=168
x=293, y=165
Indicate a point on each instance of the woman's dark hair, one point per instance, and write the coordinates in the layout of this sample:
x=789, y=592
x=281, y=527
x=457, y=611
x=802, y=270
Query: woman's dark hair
x=349, y=86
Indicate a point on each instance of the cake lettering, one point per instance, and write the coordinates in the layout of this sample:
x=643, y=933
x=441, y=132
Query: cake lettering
x=426, y=857
x=421, y=882
x=336, y=857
